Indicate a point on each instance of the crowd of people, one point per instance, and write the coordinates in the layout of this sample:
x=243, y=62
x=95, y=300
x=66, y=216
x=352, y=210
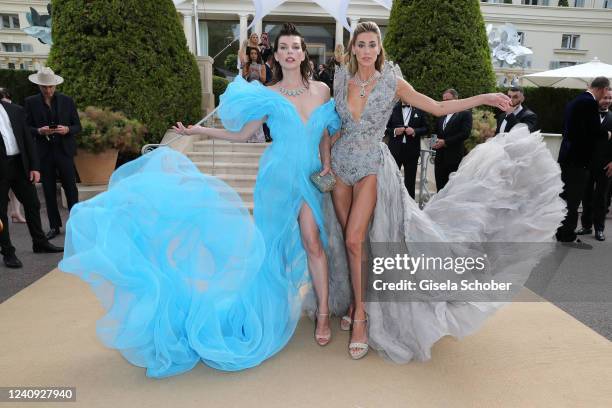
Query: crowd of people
x=39, y=144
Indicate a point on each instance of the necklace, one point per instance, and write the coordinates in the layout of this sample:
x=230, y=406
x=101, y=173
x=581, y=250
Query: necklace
x=291, y=92
x=363, y=84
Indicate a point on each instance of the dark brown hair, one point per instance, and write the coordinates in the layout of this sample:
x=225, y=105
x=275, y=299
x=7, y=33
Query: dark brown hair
x=4, y=93
x=452, y=92
x=290, y=30
x=259, y=60
x=600, y=82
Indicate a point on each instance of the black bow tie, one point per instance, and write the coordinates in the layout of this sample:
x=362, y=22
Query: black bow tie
x=405, y=106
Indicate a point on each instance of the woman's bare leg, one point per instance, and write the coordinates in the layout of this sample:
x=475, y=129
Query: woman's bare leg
x=317, y=265
x=364, y=202
x=342, y=197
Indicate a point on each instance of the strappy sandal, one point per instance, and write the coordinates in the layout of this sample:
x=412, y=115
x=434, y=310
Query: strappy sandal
x=320, y=339
x=361, y=348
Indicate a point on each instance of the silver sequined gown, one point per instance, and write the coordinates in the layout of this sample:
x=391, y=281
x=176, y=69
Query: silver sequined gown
x=505, y=190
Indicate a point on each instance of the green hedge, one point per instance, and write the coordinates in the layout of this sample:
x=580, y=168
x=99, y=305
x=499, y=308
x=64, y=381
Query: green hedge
x=17, y=84
x=219, y=86
x=127, y=55
x=441, y=44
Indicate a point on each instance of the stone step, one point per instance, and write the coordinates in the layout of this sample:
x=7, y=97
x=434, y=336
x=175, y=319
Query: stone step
x=238, y=180
x=230, y=157
x=227, y=168
x=223, y=146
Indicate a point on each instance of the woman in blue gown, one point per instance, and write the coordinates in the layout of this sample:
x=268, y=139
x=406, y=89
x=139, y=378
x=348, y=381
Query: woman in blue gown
x=184, y=272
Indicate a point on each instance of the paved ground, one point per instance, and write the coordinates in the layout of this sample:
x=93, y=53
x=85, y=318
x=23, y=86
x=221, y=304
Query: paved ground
x=35, y=266
x=582, y=286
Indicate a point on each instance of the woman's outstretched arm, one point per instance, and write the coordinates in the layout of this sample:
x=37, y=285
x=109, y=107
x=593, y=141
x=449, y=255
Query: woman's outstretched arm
x=241, y=136
x=410, y=96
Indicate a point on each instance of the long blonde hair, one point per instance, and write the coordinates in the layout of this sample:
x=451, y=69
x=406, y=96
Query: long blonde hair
x=365, y=27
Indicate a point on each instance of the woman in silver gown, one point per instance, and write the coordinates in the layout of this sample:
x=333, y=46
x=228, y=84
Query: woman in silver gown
x=486, y=200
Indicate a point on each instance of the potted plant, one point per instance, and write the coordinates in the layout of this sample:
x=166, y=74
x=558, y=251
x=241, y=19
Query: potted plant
x=104, y=133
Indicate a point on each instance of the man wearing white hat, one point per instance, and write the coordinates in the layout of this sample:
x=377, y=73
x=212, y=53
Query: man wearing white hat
x=54, y=123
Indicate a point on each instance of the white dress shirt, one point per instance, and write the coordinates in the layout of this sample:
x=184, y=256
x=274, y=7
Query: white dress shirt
x=406, y=112
x=446, y=119
x=602, y=117
x=516, y=111
x=7, y=133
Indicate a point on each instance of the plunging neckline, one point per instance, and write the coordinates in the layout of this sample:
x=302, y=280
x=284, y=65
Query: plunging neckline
x=297, y=112
x=367, y=103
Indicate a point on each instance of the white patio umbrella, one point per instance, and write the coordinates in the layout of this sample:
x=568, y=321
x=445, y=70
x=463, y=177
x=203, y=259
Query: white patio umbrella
x=336, y=8
x=577, y=76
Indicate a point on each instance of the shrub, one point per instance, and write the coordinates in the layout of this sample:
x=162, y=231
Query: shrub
x=441, y=44
x=219, y=86
x=18, y=85
x=129, y=56
x=104, y=129
x=483, y=127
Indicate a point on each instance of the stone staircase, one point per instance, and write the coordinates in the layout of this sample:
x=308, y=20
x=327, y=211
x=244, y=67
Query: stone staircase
x=234, y=163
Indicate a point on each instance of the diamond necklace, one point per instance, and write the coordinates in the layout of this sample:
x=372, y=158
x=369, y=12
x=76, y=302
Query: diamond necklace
x=363, y=84
x=291, y=92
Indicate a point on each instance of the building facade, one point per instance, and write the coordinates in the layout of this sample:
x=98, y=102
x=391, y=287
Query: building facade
x=17, y=49
x=558, y=36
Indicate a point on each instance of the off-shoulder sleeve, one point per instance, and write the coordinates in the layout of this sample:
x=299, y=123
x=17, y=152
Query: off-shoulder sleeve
x=243, y=102
x=333, y=123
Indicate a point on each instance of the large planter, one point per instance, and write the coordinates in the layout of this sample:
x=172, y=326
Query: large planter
x=95, y=168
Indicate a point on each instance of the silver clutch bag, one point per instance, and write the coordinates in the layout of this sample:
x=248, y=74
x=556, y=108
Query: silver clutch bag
x=324, y=183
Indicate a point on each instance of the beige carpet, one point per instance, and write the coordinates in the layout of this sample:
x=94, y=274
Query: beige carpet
x=527, y=355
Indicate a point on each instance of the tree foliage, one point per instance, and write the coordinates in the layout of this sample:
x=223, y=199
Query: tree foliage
x=129, y=56
x=439, y=45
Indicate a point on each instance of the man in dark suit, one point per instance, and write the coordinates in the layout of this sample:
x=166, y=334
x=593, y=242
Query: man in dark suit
x=594, y=201
x=452, y=130
x=405, y=128
x=582, y=133
x=18, y=171
x=517, y=113
x=54, y=123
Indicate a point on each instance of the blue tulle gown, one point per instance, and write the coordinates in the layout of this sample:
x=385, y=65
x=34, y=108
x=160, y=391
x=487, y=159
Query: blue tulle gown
x=182, y=269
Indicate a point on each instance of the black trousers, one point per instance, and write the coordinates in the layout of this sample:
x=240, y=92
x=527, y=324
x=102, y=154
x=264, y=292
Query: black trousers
x=575, y=179
x=443, y=170
x=405, y=157
x=594, y=201
x=52, y=163
x=25, y=192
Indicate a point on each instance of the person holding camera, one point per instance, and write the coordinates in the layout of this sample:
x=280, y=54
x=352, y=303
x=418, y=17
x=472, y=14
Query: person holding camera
x=54, y=122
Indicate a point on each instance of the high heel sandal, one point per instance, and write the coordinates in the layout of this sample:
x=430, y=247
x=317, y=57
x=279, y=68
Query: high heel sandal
x=361, y=348
x=322, y=340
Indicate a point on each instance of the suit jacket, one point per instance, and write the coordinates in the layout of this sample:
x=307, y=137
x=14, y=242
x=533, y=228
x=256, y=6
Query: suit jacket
x=67, y=115
x=457, y=131
x=603, y=151
x=582, y=131
x=417, y=121
x=27, y=147
x=526, y=116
